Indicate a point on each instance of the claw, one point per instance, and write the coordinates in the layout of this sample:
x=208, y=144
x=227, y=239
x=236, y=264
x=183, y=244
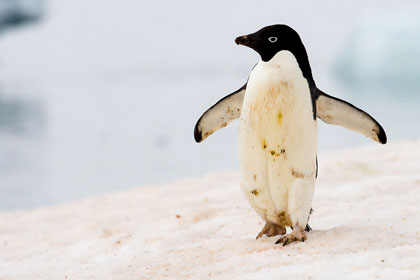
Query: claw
x=285, y=240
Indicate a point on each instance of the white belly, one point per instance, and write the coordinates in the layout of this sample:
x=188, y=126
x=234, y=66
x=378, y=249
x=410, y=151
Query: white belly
x=278, y=142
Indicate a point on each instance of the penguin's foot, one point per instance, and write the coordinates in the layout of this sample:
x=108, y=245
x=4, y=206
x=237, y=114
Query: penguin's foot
x=298, y=234
x=271, y=229
x=307, y=228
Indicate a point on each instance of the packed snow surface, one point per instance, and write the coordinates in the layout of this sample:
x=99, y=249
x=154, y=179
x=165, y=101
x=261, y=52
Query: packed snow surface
x=365, y=226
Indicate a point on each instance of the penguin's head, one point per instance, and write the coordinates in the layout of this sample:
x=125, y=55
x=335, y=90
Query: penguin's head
x=269, y=40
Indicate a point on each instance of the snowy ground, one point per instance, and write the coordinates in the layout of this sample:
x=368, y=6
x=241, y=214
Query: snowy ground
x=366, y=226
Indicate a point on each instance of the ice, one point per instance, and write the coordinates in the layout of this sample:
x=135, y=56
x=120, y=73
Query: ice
x=383, y=53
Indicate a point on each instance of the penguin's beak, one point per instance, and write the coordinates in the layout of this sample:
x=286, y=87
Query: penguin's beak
x=250, y=40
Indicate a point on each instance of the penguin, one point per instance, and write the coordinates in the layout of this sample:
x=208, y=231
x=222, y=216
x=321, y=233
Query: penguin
x=278, y=108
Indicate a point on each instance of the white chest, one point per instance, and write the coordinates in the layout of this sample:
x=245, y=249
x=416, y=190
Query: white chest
x=277, y=100
x=277, y=137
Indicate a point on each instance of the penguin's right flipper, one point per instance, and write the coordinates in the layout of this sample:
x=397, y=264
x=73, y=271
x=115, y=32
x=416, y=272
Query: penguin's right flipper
x=339, y=112
x=220, y=114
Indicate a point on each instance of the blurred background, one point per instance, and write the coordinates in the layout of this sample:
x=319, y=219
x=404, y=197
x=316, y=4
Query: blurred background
x=99, y=96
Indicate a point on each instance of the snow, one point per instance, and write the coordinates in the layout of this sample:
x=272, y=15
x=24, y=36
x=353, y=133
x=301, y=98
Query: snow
x=365, y=226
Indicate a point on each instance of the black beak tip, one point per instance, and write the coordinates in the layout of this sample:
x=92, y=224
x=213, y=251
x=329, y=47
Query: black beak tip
x=242, y=40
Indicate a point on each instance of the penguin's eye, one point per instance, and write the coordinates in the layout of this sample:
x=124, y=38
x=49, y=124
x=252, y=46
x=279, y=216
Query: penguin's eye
x=272, y=39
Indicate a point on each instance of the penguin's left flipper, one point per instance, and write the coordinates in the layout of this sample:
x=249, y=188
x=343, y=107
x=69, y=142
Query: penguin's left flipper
x=339, y=112
x=220, y=114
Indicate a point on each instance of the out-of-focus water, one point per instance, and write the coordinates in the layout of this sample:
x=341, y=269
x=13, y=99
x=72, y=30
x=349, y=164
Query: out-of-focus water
x=20, y=12
x=103, y=95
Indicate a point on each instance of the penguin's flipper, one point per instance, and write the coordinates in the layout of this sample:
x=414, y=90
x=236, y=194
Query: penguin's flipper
x=339, y=112
x=220, y=114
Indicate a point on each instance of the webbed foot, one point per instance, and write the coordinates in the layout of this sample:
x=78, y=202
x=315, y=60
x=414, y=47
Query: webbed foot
x=271, y=229
x=298, y=234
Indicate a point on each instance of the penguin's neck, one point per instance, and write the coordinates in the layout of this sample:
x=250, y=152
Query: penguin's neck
x=282, y=58
x=285, y=58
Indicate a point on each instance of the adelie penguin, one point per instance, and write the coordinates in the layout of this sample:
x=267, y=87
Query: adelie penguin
x=278, y=109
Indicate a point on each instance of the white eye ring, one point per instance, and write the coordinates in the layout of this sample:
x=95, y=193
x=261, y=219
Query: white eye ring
x=272, y=39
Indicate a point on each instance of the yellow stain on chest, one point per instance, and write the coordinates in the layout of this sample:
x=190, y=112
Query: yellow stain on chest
x=279, y=117
x=263, y=144
x=255, y=192
x=270, y=99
